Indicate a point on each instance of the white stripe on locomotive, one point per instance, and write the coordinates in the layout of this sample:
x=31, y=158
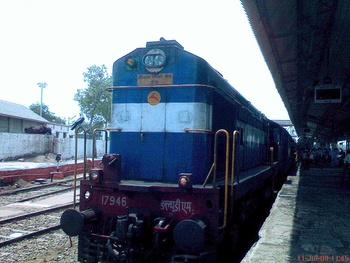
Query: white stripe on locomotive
x=163, y=117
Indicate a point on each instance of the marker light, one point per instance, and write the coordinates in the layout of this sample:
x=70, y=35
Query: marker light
x=154, y=60
x=87, y=195
x=132, y=63
x=185, y=180
x=96, y=175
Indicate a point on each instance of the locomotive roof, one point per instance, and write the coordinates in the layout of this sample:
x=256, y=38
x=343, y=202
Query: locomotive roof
x=223, y=86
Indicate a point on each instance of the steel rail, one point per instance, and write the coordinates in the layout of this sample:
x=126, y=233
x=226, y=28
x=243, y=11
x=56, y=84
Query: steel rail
x=19, y=190
x=22, y=216
x=28, y=235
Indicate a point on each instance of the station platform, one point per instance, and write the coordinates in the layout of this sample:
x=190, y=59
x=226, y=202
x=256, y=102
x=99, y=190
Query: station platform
x=10, y=172
x=309, y=221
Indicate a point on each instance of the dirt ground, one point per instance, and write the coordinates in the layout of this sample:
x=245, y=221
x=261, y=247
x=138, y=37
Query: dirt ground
x=44, y=158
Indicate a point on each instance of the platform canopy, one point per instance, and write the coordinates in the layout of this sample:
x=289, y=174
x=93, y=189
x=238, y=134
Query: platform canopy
x=306, y=45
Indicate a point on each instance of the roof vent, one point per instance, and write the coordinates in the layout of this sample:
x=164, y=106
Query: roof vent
x=163, y=43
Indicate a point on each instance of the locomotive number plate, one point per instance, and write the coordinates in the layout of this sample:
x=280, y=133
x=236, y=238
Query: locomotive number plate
x=111, y=200
x=152, y=79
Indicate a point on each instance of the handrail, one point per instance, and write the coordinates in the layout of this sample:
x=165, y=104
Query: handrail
x=94, y=144
x=235, y=133
x=271, y=165
x=226, y=170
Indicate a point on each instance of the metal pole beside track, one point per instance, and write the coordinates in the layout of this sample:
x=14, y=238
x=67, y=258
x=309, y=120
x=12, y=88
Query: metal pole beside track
x=75, y=168
x=76, y=162
x=84, y=175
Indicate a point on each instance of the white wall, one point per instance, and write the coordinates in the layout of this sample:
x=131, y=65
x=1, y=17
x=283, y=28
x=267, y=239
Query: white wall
x=17, y=145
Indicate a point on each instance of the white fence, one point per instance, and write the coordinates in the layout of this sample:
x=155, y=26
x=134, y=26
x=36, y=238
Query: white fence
x=17, y=145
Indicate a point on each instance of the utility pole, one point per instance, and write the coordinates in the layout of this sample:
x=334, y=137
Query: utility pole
x=41, y=85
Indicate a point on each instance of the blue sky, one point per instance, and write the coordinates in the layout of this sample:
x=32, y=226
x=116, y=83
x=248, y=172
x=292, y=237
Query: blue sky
x=56, y=41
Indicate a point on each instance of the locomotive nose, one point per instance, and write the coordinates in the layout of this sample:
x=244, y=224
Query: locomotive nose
x=72, y=221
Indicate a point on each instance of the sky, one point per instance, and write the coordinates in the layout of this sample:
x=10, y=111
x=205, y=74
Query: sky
x=55, y=41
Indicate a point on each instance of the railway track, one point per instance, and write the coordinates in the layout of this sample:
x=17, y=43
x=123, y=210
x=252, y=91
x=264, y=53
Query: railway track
x=36, y=191
x=17, y=228
x=27, y=225
x=41, y=184
x=34, y=218
x=30, y=222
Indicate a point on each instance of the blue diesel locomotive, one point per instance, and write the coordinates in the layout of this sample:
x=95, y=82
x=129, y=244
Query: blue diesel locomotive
x=188, y=154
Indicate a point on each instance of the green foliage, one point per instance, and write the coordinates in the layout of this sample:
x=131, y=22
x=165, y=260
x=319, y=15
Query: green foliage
x=95, y=101
x=46, y=113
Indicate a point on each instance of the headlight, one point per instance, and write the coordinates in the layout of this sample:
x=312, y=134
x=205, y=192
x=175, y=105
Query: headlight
x=148, y=61
x=154, y=60
x=159, y=61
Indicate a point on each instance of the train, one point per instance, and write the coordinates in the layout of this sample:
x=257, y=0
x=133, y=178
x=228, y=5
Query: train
x=189, y=159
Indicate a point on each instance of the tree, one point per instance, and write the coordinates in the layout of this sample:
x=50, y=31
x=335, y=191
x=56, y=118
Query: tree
x=46, y=113
x=95, y=101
